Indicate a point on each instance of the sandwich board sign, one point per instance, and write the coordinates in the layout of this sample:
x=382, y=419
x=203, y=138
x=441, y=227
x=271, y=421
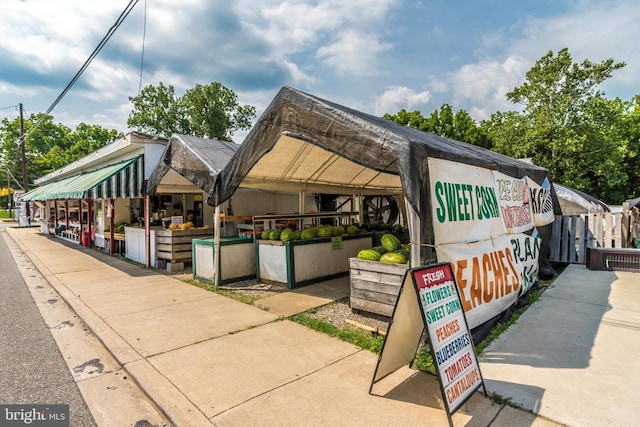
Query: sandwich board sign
x=429, y=299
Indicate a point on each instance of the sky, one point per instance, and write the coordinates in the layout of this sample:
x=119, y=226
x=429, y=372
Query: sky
x=376, y=56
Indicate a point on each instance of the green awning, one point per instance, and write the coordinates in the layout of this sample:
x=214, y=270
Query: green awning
x=121, y=180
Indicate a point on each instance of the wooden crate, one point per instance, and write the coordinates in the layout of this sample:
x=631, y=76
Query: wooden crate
x=175, y=245
x=375, y=285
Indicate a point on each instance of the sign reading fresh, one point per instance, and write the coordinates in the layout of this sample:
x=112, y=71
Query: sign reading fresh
x=448, y=334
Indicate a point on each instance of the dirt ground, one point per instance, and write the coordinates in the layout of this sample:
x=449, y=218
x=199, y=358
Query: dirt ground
x=336, y=313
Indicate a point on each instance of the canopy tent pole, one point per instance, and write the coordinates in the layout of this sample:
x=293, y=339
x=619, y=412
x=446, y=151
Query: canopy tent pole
x=216, y=245
x=147, y=230
x=413, y=223
x=80, y=217
x=89, y=222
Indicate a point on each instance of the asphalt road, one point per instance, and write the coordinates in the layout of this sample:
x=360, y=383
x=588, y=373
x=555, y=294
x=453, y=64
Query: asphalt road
x=32, y=370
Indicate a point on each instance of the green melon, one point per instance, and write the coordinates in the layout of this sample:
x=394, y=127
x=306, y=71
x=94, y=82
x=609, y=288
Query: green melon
x=381, y=250
x=368, y=254
x=393, y=258
x=286, y=235
x=275, y=235
x=307, y=235
x=390, y=242
x=325, y=232
x=353, y=229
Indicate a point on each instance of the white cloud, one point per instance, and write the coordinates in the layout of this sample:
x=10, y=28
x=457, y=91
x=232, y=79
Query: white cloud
x=346, y=36
x=397, y=98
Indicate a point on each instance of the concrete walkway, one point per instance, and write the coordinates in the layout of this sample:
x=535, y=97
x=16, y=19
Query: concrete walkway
x=208, y=360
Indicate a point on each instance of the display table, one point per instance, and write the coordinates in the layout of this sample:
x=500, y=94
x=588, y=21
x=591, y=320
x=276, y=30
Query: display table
x=303, y=262
x=237, y=259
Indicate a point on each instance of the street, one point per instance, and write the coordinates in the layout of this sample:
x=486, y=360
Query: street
x=33, y=370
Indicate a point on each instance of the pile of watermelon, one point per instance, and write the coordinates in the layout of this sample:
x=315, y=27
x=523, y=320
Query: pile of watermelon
x=323, y=231
x=379, y=229
x=390, y=251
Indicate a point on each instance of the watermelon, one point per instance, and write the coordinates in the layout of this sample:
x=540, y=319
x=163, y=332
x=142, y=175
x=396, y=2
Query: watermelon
x=286, y=235
x=338, y=231
x=353, y=229
x=393, y=258
x=265, y=234
x=368, y=254
x=390, y=242
x=406, y=253
x=275, y=235
x=325, y=232
x=380, y=249
x=307, y=235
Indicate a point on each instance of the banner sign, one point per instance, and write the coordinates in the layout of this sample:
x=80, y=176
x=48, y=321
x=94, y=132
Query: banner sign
x=526, y=250
x=465, y=206
x=449, y=335
x=488, y=277
x=541, y=202
x=513, y=196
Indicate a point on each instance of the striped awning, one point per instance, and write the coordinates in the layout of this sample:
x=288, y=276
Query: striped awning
x=120, y=180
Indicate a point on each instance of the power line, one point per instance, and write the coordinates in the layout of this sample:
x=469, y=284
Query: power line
x=104, y=41
x=144, y=33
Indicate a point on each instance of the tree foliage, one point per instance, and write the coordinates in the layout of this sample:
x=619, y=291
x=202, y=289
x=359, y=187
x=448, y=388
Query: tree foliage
x=210, y=111
x=566, y=125
x=444, y=122
x=49, y=146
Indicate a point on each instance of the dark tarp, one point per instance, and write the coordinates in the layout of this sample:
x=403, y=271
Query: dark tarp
x=198, y=160
x=304, y=143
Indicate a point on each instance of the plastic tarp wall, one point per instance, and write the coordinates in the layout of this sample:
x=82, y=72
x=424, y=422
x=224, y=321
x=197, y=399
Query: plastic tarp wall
x=574, y=202
x=189, y=161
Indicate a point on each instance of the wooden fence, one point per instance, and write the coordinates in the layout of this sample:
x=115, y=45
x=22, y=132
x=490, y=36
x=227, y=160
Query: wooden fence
x=571, y=234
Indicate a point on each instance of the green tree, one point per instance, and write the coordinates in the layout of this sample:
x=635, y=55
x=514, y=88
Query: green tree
x=206, y=111
x=444, y=122
x=48, y=146
x=566, y=125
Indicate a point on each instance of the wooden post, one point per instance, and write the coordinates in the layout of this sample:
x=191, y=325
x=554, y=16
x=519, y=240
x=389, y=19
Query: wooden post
x=111, y=225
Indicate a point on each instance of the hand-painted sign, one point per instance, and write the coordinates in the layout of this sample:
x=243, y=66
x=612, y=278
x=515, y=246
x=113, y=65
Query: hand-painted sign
x=488, y=277
x=513, y=197
x=479, y=219
x=448, y=332
x=465, y=206
x=541, y=202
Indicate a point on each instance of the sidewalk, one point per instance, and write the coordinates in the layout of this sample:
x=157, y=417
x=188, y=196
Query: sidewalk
x=208, y=360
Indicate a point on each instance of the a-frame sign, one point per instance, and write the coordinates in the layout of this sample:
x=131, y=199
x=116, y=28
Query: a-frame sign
x=429, y=299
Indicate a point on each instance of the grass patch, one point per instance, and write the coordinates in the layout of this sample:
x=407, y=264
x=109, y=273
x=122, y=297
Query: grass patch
x=363, y=339
x=224, y=292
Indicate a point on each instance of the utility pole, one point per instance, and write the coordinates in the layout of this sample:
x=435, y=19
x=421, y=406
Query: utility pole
x=25, y=180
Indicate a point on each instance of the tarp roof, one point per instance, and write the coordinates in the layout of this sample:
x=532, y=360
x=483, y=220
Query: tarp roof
x=121, y=179
x=303, y=143
x=189, y=161
x=574, y=201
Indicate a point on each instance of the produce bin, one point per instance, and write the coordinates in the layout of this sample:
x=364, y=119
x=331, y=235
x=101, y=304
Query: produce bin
x=303, y=262
x=237, y=260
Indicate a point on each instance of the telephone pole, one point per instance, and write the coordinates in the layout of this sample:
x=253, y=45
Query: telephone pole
x=25, y=180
